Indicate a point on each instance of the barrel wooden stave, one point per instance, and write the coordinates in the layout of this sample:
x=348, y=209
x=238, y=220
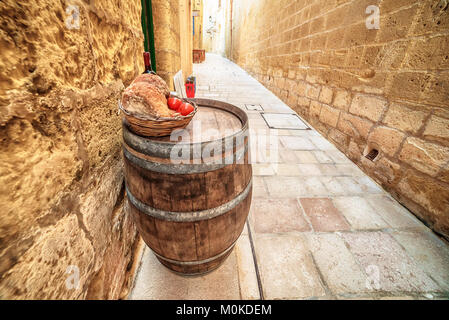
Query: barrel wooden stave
x=195, y=241
x=202, y=244
x=189, y=191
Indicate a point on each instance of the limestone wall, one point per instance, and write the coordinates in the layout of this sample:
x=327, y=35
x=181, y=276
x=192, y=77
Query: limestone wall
x=61, y=180
x=363, y=89
x=185, y=37
x=215, y=24
x=198, y=34
x=173, y=44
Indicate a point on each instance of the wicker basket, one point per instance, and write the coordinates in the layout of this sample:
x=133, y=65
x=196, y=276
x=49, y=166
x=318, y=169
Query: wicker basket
x=148, y=126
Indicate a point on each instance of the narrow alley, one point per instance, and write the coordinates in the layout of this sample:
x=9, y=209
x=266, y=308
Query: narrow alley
x=224, y=150
x=320, y=227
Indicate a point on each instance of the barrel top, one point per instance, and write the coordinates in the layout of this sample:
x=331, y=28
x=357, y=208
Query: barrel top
x=209, y=124
x=214, y=120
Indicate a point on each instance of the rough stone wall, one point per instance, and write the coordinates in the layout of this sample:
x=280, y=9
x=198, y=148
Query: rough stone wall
x=61, y=180
x=198, y=35
x=214, y=33
x=385, y=88
x=186, y=38
x=167, y=38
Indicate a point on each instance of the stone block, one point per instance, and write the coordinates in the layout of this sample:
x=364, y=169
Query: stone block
x=277, y=216
x=354, y=126
x=326, y=95
x=408, y=85
x=359, y=213
x=30, y=278
x=323, y=215
x=424, y=156
x=388, y=266
x=338, y=137
x=313, y=91
x=249, y=289
x=156, y=282
x=329, y=115
x=285, y=187
x=403, y=118
x=393, y=213
x=437, y=128
x=428, y=53
x=429, y=251
x=395, y=26
x=286, y=268
x=297, y=143
x=315, y=109
x=431, y=195
x=368, y=106
x=304, y=156
x=336, y=263
x=386, y=139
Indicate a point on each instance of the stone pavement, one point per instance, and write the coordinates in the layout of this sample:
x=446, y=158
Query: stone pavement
x=319, y=227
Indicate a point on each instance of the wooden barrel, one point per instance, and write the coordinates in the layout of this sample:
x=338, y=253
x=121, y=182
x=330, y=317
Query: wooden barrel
x=190, y=199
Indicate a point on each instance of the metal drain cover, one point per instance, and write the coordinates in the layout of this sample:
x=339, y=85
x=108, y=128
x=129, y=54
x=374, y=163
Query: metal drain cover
x=254, y=107
x=284, y=121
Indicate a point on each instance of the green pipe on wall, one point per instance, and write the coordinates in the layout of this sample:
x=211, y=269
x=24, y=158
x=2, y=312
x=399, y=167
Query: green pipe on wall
x=148, y=30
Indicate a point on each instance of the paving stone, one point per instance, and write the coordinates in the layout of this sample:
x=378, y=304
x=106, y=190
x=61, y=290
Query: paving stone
x=266, y=169
x=287, y=156
x=385, y=260
x=249, y=288
x=322, y=143
x=393, y=213
x=278, y=215
x=359, y=213
x=430, y=252
x=304, y=133
x=297, y=143
x=368, y=185
x=309, y=169
x=333, y=186
x=312, y=186
x=156, y=282
x=328, y=169
x=323, y=157
x=337, y=156
x=263, y=150
x=285, y=187
x=349, y=170
x=349, y=185
x=305, y=157
x=257, y=124
x=323, y=215
x=276, y=107
x=283, y=169
x=259, y=189
x=282, y=132
x=286, y=268
x=337, y=265
x=284, y=121
x=254, y=115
